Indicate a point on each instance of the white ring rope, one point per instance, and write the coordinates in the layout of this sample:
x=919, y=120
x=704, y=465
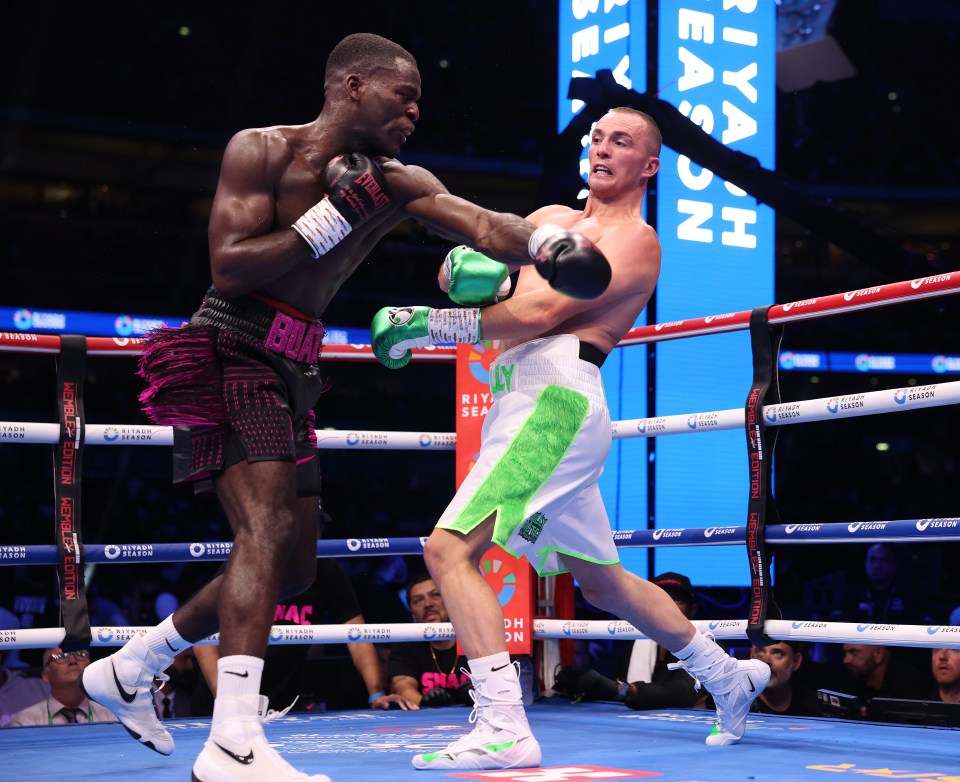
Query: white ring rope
x=847, y=406
x=929, y=636
x=890, y=400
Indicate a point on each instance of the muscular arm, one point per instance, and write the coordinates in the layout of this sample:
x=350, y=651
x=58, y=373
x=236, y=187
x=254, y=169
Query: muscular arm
x=535, y=309
x=367, y=663
x=407, y=688
x=247, y=251
x=500, y=235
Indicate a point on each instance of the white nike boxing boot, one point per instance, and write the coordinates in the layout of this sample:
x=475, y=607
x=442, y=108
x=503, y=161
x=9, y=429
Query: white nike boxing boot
x=734, y=685
x=501, y=737
x=123, y=682
x=238, y=749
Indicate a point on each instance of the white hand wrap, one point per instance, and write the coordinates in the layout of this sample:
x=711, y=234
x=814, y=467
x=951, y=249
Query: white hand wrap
x=322, y=226
x=541, y=235
x=460, y=324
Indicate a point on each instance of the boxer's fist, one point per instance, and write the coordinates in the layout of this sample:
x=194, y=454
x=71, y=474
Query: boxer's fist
x=570, y=262
x=356, y=189
x=395, y=331
x=474, y=278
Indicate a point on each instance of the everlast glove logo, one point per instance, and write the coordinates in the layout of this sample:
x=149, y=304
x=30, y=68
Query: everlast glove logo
x=368, y=182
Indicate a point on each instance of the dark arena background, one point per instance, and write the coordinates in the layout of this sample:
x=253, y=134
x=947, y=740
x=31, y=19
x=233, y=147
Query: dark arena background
x=113, y=119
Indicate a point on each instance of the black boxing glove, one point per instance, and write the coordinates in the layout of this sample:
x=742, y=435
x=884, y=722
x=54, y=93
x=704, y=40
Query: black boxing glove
x=436, y=697
x=356, y=190
x=571, y=263
x=595, y=686
x=463, y=694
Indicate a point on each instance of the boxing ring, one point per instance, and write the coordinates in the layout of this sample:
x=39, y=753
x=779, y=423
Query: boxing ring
x=612, y=742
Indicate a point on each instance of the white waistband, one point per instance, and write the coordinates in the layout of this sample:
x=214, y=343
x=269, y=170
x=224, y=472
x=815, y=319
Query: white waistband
x=542, y=362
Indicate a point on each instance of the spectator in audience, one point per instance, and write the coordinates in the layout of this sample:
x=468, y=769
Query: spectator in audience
x=884, y=599
x=66, y=704
x=874, y=673
x=173, y=697
x=946, y=673
x=329, y=599
x=784, y=694
x=17, y=690
x=653, y=684
x=428, y=673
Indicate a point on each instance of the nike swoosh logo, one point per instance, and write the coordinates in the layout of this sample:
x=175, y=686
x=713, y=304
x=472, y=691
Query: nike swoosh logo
x=243, y=675
x=752, y=688
x=304, y=461
x=170, y=646
x=501, y=667
x=128, y=697
x=245, y=759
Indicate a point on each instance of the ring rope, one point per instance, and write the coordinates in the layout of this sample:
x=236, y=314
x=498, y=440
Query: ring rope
x=936, y=530
x=890, y=400
x=928, y=636
x=798, y=412
x=804, y=309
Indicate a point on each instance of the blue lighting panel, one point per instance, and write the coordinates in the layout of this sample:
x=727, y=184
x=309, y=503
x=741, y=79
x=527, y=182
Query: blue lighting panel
x=594, y=36
x=716, y=65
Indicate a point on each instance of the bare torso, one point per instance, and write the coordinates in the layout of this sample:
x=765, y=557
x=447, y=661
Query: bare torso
x=604, y=321
x=271, y=176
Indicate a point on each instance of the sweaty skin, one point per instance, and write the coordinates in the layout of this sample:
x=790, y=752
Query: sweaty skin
x=271, y=176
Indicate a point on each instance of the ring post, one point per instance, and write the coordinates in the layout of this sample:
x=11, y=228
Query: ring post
x=67, y=458
x=761, y=507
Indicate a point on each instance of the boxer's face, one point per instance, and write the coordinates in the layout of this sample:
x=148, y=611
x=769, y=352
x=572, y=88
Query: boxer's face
x=619, y=154
x=387, y=108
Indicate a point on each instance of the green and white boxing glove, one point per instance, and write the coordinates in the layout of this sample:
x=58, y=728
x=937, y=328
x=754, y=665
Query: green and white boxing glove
x=396, y=331
x=474, y=278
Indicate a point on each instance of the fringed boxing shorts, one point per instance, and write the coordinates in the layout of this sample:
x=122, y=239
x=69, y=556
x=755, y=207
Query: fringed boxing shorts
x=543, y=445
x=237, y=383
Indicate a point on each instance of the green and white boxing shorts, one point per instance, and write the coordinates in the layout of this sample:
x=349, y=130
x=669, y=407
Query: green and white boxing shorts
x=543, y=445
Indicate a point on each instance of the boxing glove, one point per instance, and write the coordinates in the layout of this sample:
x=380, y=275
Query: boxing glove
x=474, y=278
x=464, y=694
x=436, y=697
x=396, y=331
x=356, y=189
x=571, y=263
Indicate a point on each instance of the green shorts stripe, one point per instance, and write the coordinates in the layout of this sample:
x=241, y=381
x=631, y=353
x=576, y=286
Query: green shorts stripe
x=526, y=464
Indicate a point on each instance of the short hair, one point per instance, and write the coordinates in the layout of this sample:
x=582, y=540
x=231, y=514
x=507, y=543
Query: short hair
x=363, y=52
x=418, y=577
x=656, y=140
